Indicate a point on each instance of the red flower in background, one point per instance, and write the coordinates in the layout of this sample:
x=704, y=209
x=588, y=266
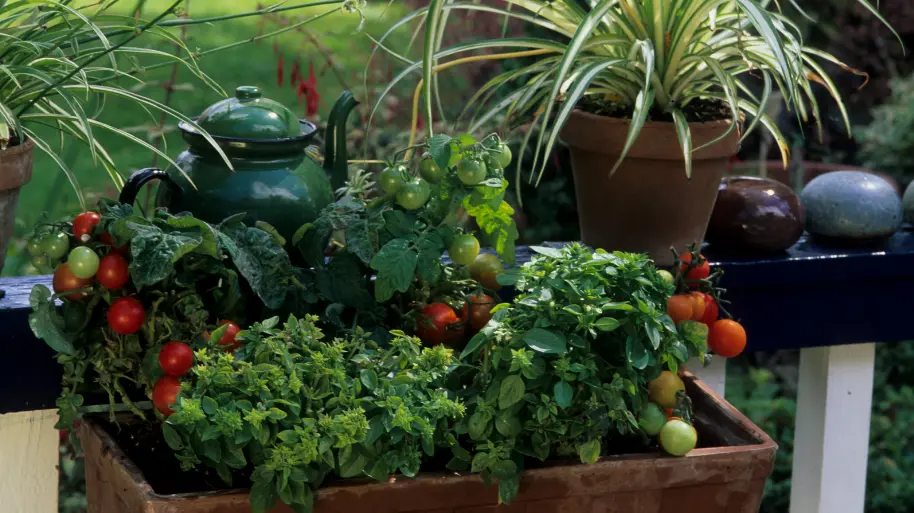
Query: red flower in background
x=307, y=90
x=295, y=74
x=280, y=71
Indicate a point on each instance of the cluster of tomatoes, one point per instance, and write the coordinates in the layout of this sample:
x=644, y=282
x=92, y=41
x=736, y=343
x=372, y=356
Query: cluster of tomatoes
x=439, y=322
x=726, y=337
x=413, y=192
x=676, y=436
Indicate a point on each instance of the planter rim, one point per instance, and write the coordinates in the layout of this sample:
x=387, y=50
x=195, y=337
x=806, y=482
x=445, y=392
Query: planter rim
x=9, y=159
x=764, y=444
x=653, y=124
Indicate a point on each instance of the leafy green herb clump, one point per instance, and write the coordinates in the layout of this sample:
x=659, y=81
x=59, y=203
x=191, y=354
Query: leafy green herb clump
x=299, y=408
x=567, y=364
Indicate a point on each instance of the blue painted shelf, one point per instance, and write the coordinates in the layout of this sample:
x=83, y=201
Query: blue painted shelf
x=815, y=294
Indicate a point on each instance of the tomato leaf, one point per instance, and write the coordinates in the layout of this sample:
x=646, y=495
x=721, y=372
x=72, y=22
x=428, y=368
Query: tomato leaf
x=342, y=281
x=155, y=251
x=396, y=265
x=46, y=322
x=511, y=391
x=439, y=148
x=431, y=247
x=545, y=341
x=260, y=260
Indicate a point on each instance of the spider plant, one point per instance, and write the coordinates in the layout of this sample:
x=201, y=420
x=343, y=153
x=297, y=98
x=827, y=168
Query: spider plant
x=61, y=61
x=649, y=56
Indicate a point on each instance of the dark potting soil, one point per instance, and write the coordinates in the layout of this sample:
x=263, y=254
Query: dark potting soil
x=698, y=111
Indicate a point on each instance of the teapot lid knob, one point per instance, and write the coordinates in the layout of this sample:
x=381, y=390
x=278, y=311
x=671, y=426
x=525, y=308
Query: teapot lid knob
x=248, y=93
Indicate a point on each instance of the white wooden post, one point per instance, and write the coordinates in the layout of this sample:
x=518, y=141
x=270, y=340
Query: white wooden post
x=714, y=375
x=831, y=444
x=28, y=462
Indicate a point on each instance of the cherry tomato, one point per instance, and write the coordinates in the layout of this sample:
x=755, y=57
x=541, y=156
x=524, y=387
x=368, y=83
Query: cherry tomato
x=413, y=194
x=65, y=281
x=471, y=171
x=667, y=276
x=126, y=316
x=432, y=324
x=680, y=308
x=228, y=337
x=502, y=155
x=392, y=178
x=429, y=170
x=176, y=358
x=652, y=419
x=678, y=438
x=109, y=240
x=464, y=249
x=34, y=247
x=84, y=224
x=41, y=263
x=55, y=245
x=480, y=307
x=83, y=262
x=113, y=272
x=165, y=394
x=727, y=338
x=700, y=272
x=712, y=311
x=698, y=305
x=664, y=390
x=485, y=269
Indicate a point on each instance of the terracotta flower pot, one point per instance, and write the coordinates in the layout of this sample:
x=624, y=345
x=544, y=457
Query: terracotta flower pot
x=726, y=474
x=648, y=205
x=15, y=171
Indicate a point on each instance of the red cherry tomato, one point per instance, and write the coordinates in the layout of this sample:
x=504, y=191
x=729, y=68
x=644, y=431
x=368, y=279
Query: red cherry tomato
x=84, y=224
x=228, y=338
x=480, y=311
x=65, y=281
x=712, y=311
x=176, y=358
x=727, y=338
x=433, y=322
x=165, y=394
x=126, y=316
x=109, y=240
x=699, y=272
x=113, y=272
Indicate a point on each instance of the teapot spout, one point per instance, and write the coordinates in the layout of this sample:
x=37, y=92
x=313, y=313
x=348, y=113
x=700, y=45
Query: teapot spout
x=335, y=156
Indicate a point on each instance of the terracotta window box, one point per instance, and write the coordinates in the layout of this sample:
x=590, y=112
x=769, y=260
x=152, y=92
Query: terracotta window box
x=726, y=474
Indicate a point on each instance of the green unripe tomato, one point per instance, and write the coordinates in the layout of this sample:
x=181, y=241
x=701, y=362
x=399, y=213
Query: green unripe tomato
x=502, y=155
x=666, y=275
x=413, y=194
x=471, y=171
x=652, y=419
x=42, y=263
x=678, y=438
x=430, y=171
x=83, y=262
x=34, y=247
x=55, y=245
x=392, y=178
x=464, y=249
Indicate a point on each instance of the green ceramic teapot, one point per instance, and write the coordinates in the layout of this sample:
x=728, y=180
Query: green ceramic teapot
x=274, y=180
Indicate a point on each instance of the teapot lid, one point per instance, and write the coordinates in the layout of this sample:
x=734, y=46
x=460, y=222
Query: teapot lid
x=250, y=116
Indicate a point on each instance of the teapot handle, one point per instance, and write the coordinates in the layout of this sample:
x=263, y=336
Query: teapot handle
x=335, y=157
x=142, y=177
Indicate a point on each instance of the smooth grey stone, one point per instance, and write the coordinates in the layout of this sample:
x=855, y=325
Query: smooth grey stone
x=909, y=204
x=851, y=205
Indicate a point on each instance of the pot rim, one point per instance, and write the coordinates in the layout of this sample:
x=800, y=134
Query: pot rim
x=309, y=130
x=659, y=124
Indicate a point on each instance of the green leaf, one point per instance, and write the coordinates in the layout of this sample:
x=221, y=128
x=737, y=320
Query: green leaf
x=212, y=450
x=508, y=424
x=46, y=322
x=511, y=391
x=563, y=393
x=478, y=425
x=342, y=281
x=431, y=248
x=263, y=497
x=439, y=148
x=369, y=379
x=545, y=341
x=209, y=405
x=211, y=433
x=589, y=452
x=475, y=343
x=352, y=462
x=504, y=469
x=497, y=225
x=172, y=438
x=290, y=437
x=637, y=355
x=396, y=265
x=547, y=251
x=260, y=260
x=607, y=324
x=507, y=489
x=209, y=246
x=480, y=462
x=154, y=252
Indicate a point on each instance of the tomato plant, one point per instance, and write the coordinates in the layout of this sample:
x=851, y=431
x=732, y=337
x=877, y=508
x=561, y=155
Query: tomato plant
x=228, y=339
x=485, y=270
x=677, y=437
x=433, y=322
x=65, y=281
x=55, y=245
x=698, y=305
x=501, y=154
x=113, y=271
x=695, y=272
x=84, y=224
x=727, y=338
x=471, y=171
x=712, y=311
x=413, y=194
x=480, y=311
x=652, y=419
x=664, y=391
x=83, y=262
x=126, y=316
x=430, y=171
x=108, y=240
x=680, y=308
x=176, y=358
x=392, y=178
x=464, y=249
x=165, y=394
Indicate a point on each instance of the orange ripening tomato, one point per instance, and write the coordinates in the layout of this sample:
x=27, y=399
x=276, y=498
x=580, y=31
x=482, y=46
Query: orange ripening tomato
x=698, y=305
x=727, y=338
x=712, y=311
x=680, y=308
x=699, y=272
